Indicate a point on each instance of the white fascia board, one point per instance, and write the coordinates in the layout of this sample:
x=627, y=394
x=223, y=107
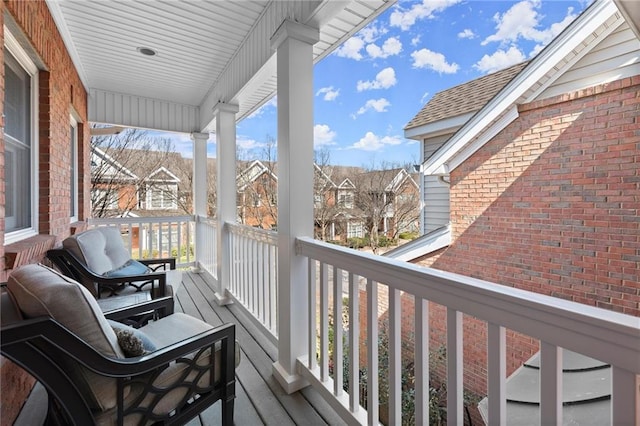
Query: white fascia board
x=437, y=128
x=162, y=169
x=115, y=164
x=507, y=118
x=582, y=28
x=58, y=19
x=439, y=239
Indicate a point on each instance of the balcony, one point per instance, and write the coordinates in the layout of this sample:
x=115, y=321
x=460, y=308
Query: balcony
x=355, y=284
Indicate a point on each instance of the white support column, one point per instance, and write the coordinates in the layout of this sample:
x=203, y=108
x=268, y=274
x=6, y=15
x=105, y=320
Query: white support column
x=200, y=188
x=294, y=43
x=226, y=186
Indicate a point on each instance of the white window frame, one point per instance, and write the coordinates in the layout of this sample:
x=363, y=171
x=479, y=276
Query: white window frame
x=73, y=182
x=355, y=230
x=22, y=57
x=110, y=195
x=153, y=189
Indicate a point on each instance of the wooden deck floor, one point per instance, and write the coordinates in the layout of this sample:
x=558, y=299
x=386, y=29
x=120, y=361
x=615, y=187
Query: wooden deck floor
x=260, y=399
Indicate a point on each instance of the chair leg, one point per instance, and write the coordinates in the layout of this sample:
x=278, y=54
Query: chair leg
x=227, y=412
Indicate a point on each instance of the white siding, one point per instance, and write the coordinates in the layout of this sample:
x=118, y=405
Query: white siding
x=616, y=56
x=436, y=193
x=136, y=111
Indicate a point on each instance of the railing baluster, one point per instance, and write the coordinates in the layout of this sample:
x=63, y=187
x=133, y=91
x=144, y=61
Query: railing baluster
x=324, y=321
x=422, y=361
x=624, y=394
x=395, y=358
x=372, y=352
x=454, y=368
x=550, y=384
x=496, y=374
x=273, y=288
x=313, y=317
x=354, y=344
x=337, y=332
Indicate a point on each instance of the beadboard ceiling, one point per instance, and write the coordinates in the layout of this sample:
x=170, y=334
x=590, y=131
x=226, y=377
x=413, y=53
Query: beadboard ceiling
x=196, y=43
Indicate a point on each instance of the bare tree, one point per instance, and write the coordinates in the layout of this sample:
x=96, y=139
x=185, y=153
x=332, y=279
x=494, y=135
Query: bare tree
x=385, y=201
x=120, y=167
x=325, y=206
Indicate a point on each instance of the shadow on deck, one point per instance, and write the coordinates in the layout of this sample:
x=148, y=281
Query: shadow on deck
x=259, y=397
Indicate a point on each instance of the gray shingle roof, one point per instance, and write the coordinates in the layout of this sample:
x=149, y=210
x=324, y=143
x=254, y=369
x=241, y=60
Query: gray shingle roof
x=464, y=98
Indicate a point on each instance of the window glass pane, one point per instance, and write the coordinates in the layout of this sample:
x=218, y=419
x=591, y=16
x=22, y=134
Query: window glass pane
x=17, y=108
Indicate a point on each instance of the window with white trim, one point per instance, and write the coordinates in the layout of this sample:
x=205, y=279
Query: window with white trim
x=73, y=166
x=21, y=150
x=162, y=197
x=104, y=199
x=355, y=230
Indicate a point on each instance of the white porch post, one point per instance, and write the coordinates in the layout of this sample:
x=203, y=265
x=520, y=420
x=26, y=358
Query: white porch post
x=226, y=186
x=200, y=189
x=294, y=43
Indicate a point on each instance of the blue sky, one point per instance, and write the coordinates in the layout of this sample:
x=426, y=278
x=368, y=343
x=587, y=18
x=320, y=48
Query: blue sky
x=369, y=89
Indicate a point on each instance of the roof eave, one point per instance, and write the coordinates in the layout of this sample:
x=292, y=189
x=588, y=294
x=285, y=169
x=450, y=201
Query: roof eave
x=445, y=126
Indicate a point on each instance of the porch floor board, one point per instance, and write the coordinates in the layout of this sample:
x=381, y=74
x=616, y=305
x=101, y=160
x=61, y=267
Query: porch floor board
x=259, y=397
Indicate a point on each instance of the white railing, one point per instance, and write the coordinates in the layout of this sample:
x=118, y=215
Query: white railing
x=604, y=335
x=207, y=244
x=253, y=277
x=149, y=237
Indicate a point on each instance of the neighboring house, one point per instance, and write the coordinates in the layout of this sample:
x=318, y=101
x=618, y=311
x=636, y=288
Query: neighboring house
x=131, y=182
x=542, y=179
x=389, y=200
x=257, y=196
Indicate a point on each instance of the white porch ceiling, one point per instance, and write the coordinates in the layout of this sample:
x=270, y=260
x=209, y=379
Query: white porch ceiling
x=207, y=52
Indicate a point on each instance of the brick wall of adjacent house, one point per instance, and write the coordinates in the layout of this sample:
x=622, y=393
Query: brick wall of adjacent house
x=60, y=92
x=551, y=205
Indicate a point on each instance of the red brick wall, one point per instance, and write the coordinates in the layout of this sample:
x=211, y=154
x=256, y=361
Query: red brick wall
x=60, y=91
x=551, y=205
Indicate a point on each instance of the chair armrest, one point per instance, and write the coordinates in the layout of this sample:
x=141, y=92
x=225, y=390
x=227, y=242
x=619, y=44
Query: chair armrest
x=164, y=305
x=159, y=263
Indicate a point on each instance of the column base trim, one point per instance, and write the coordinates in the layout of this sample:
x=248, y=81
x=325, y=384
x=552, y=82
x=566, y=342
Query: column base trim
x=223, y=299
x=289, y=382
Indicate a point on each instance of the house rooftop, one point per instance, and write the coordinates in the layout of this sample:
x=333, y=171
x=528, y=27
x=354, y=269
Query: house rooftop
x=464, y=98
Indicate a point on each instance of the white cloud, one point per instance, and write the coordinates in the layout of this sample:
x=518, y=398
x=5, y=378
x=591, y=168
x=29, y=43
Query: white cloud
x=329, y=93
x=271, y=103
x=425, y=58
x=415, y=40
x=392, y=46
x=405, y=18
x=323, y=135
x=499, y=60
x=351, y=48
x=384, y=79
x=378, y=105
x=467, y=33
x=522, y=20
x=372, y=142
x=246, y=144
x=371, y=33
x=424, y=97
